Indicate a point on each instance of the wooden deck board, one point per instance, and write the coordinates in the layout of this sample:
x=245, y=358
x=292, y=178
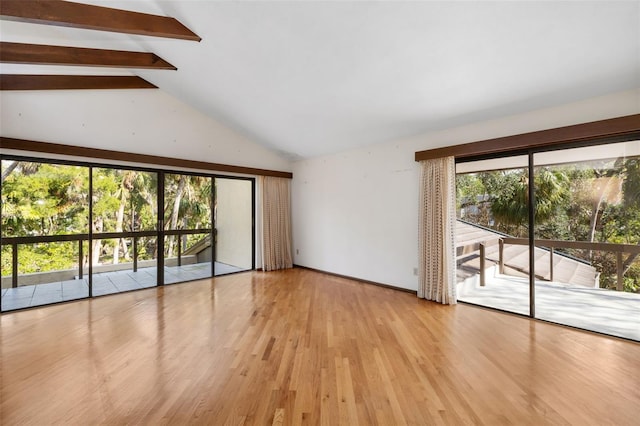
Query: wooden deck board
x=566, y=270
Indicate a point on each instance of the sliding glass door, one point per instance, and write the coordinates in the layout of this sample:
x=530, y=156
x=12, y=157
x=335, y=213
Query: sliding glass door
x=45, y=217
x=188, y=231
x=570, y=257
x=588, y=229
x=73, y=230
x=124, y=241
x=492, y=231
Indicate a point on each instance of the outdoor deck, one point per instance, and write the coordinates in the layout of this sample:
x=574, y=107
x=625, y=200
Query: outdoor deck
x=516, y=259
x=605, y=311
x=105, y=283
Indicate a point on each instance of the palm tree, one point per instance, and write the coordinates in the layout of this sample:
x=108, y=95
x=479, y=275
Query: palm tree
x=127, y=179
x=27, y=168
x=509, y=196
x=190, y=200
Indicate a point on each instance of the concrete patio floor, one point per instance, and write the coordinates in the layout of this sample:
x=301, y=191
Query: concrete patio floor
x=105, y=283
x=605, y=311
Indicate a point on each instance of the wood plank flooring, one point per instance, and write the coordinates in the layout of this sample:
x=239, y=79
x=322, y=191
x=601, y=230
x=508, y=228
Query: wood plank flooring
x=301, y=347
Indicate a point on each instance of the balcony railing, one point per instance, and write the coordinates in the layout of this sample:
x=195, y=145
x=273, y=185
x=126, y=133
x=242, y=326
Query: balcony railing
x=15, y=242
x=619, y=249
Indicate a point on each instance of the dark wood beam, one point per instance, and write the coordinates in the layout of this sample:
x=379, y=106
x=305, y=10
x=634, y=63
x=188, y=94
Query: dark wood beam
x=22, y=53
x=104, y=154
x=78, y=15
x=66, y=82
x=579, y=133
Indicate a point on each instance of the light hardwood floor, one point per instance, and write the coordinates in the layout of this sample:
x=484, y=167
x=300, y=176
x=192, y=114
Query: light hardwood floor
x=303, y=347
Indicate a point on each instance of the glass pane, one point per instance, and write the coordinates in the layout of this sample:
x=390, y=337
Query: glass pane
x=125, y=203
x=192, y=259
x=44, y=199
x=45, y=225
x=47, y=273
x=187, y=202
x=124, y=200
x=587, y=232
x=234, y=231
x=187, y=224
x=492, y=234
x=126, y=274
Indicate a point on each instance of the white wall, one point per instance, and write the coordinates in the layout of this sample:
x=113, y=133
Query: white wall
x=233, y=222
x=145, y=121
x=141, y=121
x=356, y=213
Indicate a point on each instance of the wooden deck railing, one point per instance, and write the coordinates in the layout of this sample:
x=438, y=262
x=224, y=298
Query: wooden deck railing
x=15, y=242
x=619, y=249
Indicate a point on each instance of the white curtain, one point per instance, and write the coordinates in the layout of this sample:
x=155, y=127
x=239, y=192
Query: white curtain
x=276, y=223
x=437, y=261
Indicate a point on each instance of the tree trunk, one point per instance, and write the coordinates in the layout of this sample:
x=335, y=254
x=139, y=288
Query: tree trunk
x=97, y=244
x=119, y=220
x=125, y=249
x=27, y=168
x=7, y=171
x=627, y=263
x=595, y=213
x=175, y=211
x=152, y=204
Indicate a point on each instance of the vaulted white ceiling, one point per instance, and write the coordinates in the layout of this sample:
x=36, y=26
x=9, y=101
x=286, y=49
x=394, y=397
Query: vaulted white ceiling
x=311, y=78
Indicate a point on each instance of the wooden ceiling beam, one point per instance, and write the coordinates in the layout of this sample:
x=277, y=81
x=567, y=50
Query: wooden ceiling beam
x=70, y=82
x=78, y=15
x=22, y=53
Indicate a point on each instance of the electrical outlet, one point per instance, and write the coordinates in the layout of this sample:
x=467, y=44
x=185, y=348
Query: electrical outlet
x=297, y=251
x=415, y=271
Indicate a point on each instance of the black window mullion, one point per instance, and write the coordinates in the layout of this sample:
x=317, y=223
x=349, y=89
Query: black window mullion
x=160, y=229
x=532, y=246
x=1, y=230
x=253, y=224
x=90, y=231
x=214, y=197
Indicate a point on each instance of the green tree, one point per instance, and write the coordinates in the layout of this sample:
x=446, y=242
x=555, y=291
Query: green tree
x=187, y=206
x=508, y=193
x=43, y=199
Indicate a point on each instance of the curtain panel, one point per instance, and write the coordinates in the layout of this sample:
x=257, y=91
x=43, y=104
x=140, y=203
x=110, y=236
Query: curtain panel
x=437, y=222
x=276, y=223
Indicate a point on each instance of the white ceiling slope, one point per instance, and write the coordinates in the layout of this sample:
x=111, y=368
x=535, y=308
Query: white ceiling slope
x=312, y=78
